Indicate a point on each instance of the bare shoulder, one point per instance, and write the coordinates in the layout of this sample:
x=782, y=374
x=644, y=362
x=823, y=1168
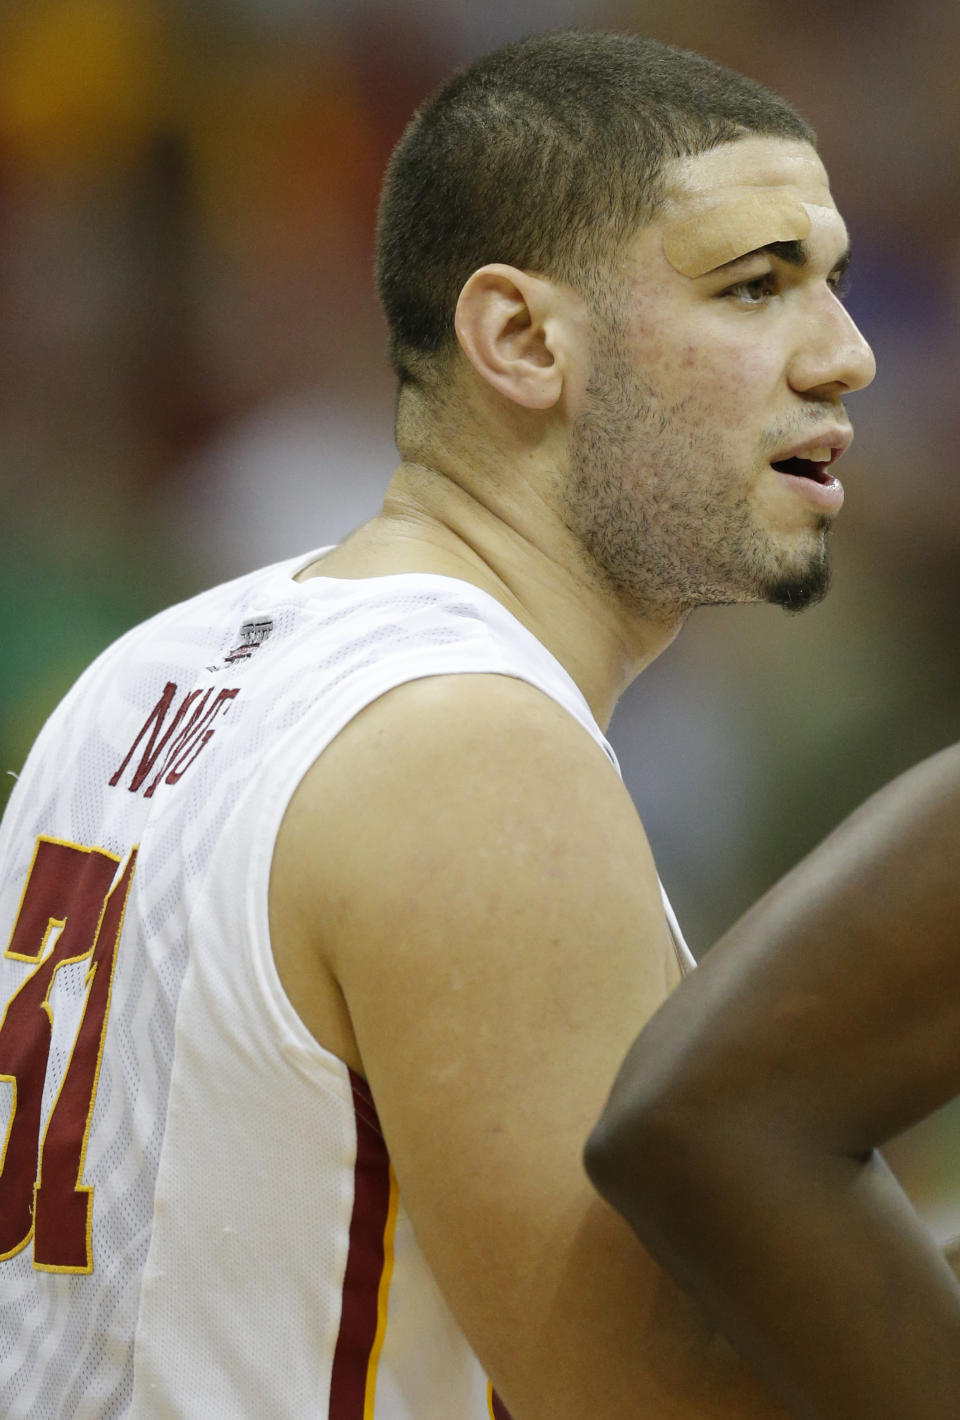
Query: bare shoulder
x=480, y=890
x=437, y=799
x=451, y=791
x=471, y=722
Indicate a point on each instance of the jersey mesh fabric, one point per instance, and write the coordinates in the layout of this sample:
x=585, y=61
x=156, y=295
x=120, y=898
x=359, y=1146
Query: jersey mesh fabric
x=224, y=1139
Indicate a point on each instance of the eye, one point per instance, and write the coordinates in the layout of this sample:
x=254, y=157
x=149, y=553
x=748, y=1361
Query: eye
x=754, y=292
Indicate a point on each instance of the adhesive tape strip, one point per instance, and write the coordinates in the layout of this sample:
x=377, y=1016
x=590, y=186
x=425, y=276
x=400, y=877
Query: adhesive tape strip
x=728, y=230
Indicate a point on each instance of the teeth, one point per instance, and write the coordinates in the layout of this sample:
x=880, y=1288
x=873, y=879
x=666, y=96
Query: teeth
x=817, y=455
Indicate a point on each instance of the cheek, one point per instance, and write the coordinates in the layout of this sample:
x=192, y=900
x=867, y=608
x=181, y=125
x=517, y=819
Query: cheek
x=728, y=385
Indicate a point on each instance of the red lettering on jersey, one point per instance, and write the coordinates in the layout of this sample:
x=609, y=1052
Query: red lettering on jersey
x=154, y=723
x=179, y=744
x=41, y=1193
x=191, y=740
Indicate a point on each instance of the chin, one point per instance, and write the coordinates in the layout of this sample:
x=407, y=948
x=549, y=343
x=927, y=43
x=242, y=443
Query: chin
x=807, y=581
x=797, y=591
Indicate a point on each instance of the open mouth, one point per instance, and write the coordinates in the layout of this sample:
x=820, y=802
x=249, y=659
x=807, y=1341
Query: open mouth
x=818, y=472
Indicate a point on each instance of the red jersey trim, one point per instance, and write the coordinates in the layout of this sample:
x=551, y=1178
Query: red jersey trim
x=369, y=1261
x=498, y=1411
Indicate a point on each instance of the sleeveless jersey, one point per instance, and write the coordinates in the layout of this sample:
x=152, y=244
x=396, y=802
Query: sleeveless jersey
x=198, y=1217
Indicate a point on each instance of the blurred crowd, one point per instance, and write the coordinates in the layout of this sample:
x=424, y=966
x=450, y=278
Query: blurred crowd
x=193, y=380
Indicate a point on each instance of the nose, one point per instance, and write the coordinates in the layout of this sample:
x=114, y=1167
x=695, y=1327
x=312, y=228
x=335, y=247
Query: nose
x=834, y=359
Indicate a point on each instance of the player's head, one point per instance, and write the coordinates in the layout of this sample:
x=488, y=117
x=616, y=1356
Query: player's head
x=547, y=155
x=636, y=251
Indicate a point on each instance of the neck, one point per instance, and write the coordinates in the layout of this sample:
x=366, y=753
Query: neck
x=504, y=537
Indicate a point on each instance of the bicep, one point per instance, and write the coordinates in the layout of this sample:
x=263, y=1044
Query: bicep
x=740, y=1137
x=835, y=1003
x=499, y=938
x=496, y=961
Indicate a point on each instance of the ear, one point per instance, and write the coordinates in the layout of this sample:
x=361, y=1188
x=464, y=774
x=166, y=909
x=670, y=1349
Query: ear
x=511, y=328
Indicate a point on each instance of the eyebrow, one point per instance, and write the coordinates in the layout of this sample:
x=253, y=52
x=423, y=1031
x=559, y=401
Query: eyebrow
x=795, y=253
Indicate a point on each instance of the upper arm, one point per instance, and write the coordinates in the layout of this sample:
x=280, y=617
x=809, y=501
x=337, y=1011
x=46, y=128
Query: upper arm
x=835, y=1002
x=488, y=903
x=740, y=1137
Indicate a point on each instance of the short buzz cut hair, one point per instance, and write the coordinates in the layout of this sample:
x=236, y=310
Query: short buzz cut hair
x=546, y=155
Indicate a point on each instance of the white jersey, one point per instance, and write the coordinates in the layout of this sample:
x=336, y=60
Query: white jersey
x=198, y=1217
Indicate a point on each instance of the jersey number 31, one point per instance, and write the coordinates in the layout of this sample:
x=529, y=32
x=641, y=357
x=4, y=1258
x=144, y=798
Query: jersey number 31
x=41, y=1191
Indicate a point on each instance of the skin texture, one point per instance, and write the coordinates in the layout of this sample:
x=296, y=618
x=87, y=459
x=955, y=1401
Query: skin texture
x=599, y=466
x=468, y=961
x=687, y=404
x=823, y=1024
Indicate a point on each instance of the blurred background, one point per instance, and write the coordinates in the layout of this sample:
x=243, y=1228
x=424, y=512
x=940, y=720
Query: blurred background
x=193, y=379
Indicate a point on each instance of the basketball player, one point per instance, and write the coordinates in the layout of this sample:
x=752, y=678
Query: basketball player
x=328, y=917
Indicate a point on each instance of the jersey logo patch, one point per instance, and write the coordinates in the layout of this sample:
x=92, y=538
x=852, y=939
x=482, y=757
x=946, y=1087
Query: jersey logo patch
x=253, y=633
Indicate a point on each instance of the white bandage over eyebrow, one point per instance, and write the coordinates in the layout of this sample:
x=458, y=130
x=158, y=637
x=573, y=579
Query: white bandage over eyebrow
x=729, y=229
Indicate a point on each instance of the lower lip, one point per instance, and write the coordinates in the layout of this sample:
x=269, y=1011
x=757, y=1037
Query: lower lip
x=826, y=497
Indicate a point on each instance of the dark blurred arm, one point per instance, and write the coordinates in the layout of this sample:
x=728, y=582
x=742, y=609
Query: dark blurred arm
x=740, y=1137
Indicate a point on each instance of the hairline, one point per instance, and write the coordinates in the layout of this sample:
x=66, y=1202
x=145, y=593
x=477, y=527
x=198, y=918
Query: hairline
x=588, y=281
x=582, y=251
